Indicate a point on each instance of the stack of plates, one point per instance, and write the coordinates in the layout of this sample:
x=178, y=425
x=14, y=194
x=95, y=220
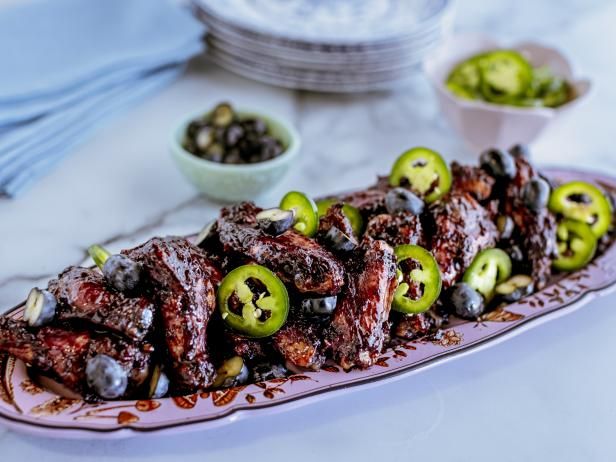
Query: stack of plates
x=324, y=45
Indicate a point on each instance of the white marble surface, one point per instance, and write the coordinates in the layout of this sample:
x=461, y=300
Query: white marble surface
x=547, y=395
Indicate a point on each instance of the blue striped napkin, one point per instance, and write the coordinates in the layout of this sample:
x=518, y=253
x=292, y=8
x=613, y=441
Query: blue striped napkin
x=69, y=64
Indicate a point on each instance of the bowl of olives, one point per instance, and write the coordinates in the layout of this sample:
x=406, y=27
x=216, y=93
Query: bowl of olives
x=497, y=96
x=233, y=154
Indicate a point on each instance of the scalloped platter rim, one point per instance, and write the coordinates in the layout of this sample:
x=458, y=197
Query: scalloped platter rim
x=26, y=407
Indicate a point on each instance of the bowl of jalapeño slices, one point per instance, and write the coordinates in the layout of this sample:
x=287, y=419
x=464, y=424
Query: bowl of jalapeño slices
x=498, y=96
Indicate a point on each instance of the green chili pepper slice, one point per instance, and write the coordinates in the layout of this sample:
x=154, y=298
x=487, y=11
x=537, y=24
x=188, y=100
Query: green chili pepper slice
x=306, y=216
x=465, y=79
x=505, y=75
x=419, y=279
x=354, y=215
x=583, y=202
x=489, y=268
x=425, y=171
x=576, y=244
x=99, y=255
x=253, y=301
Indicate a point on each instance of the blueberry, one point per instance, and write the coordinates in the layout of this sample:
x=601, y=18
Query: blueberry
x=106, y=377
x=40, y=307
x=536, y=193
x=319, y=306
x=402, y=200
x=122, y=273
x=263, y=372
x=466, y=301
x=498, y=163
x=520, y=151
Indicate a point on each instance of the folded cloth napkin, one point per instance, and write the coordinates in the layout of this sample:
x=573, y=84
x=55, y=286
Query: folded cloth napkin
x=68, y=64
x=53, y=137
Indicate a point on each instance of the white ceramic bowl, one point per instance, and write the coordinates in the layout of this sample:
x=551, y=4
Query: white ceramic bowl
x=234, y=183
x=481, y=124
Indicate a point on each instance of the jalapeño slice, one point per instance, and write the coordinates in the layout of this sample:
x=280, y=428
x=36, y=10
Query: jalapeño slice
x=306, y=217
x=465, y=79
x=253, y=301
x=583, y=202
x=354, y=216
x=425, y=172
x=505, y=75
x=419, y=279
x=489, y=268
x=576, y=244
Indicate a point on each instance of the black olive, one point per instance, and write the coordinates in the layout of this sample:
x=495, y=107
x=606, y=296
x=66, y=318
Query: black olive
x=515, y=253
x=233, y=157
x=233, y=134
x=204, y=138
x=536, y=193
x=222, y=115
x=190, y=146
x=498, y=163
x=231, y=373
x=338, y=240
x=205, y=233
x=520, y=151
x=256, y=126
x=402, y=200
x=263, y=372
x=215, y=153
x=515, y=288
x=270, y=148
x=466, y=301
x=506, y=226
x=106, y=377
x=122, y=273
x=194, y=127
x=319, y=306
x=40, y=307
x=275, y=221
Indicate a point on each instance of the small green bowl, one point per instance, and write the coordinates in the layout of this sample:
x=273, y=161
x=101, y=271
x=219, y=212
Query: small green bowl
x=231, y=182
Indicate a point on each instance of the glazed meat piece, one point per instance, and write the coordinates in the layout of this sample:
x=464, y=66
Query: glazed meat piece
x=299, y=261
x=460, y=229
x=416, y=326
x=335, y=217
x=359, y=325
x=83, y=294
x=63, y=354
x=184, y=282
x=250, y=350
x=243, y=213
x=299, y=342
x=398, y=229
x=473, y=180
x=535, y=230
x=368, y=201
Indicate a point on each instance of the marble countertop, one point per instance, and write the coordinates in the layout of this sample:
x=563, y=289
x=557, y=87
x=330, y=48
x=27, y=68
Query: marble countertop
x=546, y=395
